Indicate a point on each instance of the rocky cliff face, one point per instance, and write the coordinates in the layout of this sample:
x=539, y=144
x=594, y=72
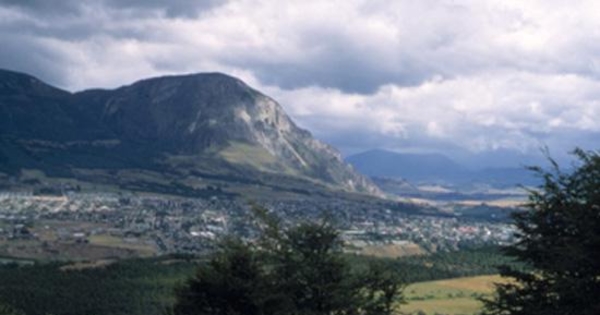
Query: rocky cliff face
x=192, y=122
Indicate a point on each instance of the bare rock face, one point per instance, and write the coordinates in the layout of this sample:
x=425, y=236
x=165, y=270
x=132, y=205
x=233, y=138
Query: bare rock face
x=209, y=120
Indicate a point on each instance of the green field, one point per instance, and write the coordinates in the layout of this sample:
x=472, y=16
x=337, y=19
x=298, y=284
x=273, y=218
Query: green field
x=452, y=297
x=139, y=246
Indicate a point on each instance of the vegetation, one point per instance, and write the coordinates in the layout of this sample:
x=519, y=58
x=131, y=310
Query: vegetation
x=8, y=310
x=139, y=286
x=445, y=265
x=451, y=296
x=146, y=286
x=559, y=239
x=297, y=270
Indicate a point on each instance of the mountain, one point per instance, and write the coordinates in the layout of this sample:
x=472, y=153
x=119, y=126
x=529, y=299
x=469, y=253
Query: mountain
x=184, y=134
x=435, y=169
x=411, y=166
x=501, y=159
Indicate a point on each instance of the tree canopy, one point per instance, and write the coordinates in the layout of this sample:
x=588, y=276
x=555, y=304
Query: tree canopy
x=559, y=241
x=9, y=310
x=294, y=270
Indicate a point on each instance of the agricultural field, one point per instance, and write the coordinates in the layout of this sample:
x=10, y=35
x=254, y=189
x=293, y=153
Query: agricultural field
x=393, y=250
x=449, y=297
x=143, y=249
x=49, y=240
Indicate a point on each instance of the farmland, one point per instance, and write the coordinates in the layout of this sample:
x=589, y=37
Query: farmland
x=452, y=297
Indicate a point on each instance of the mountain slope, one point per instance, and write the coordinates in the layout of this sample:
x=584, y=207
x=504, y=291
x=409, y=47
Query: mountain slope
x=193, y=130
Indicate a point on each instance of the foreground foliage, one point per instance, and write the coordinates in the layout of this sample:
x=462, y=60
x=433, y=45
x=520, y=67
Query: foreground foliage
x=139, y=286
x=9, y=310
x=560, y=242
x=296, y=270
x=145, y=286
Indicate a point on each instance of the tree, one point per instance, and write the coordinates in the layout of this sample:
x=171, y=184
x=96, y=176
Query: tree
x=381, y=289
x=229, y=284
x=9, y=310
x=295, y=270
x=308, y=271
x=559, y=242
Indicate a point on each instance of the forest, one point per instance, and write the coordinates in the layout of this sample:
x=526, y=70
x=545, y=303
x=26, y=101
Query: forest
x=146, y=286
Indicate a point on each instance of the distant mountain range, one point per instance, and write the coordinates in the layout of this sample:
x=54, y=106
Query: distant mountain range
x=191, y=134
x=436, y=169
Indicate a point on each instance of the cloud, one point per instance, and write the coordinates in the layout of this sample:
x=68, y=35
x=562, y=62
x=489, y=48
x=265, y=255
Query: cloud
x=48, y=7
x=71, y=8
x=445, y=75
x=352, y=45
x=30, y=55
x=520, y=111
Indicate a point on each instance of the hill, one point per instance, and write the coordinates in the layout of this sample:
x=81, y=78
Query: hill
x=434, y=168
x=411, y=166
x=198, y=134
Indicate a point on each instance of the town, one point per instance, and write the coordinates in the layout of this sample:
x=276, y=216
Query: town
x=100, y=225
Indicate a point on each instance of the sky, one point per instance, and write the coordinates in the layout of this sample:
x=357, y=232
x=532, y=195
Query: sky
x=489, y=78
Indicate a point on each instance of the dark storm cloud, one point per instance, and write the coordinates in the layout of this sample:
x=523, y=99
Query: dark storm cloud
x=342, y=65
x=52, y=38
x=345, y=52
x=26, y=54
x=340, y=70
x=69, y=30
x=46, y=7
x=171, y=8
x=345, y=58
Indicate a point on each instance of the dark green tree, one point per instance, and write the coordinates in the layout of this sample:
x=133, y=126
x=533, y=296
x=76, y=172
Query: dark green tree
x=311, y=272
x=231, y=283
x=9, y=310
x=559, y=242
x=380, y=290
x=295, y=270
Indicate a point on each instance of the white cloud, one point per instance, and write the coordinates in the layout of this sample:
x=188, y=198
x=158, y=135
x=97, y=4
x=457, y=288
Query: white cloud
x=514, y=110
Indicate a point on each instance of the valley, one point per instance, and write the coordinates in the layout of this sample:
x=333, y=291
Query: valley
x=171, y=164
x=97, y=226
x=156, y=174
